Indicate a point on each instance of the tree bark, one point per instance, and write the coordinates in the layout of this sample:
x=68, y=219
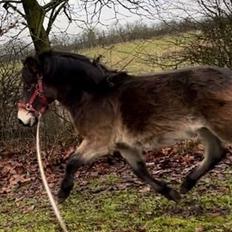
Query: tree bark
x=34, y=14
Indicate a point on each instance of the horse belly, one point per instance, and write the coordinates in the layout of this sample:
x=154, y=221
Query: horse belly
x=168, y=139
x=152, y=139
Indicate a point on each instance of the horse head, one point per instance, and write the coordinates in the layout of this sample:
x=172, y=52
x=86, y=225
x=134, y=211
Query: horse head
x=36, y=96
x=58, y=76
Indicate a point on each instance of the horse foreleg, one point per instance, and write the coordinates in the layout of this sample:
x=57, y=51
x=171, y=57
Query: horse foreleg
x=85, y=154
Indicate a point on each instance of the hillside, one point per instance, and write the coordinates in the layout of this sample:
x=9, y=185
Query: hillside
x=139, y=56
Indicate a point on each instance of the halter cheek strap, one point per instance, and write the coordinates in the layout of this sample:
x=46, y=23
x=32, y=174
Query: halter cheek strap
x=38, y=93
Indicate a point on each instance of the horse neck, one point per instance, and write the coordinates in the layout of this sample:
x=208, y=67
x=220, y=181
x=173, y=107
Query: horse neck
x=76, y=77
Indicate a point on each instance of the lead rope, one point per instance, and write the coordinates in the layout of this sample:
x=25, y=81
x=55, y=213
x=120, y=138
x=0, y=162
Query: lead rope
x=44, y=180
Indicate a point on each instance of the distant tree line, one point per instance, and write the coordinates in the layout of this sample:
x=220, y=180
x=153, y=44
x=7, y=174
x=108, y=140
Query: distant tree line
x=123, y=33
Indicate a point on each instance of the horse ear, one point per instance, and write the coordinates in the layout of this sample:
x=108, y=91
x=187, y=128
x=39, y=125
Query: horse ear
x=32, y=64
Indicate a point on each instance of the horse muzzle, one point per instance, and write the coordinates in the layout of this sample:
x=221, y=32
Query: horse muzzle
x=26, y=118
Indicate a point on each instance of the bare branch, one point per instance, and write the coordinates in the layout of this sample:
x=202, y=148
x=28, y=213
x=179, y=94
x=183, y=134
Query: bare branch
x=53, y=4
x=53, y=16
x=8, y=4
x=68, y=14
x=10, y=1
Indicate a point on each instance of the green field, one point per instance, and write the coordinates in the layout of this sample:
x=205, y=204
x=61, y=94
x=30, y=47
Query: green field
x=138, y=56
x=207, y=208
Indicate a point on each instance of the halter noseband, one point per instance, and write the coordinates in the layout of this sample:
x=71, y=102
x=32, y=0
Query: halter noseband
x=38, y=93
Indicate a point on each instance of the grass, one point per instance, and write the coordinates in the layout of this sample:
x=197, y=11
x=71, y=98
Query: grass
x=136, y=56
x=127, y=210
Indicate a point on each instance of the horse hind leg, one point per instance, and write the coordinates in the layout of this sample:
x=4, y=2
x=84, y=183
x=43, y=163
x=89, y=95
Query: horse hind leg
x=134, y=159
x=214, y=153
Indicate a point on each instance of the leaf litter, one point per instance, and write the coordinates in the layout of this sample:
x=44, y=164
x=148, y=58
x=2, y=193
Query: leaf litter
x=20, y=178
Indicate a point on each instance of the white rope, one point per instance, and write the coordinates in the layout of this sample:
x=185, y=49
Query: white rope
x=45, y=183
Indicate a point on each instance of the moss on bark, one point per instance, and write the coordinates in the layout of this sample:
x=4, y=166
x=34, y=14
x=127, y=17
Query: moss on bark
x=35, y=17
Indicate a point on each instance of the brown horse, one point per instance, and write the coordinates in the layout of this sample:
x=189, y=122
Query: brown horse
x=114, y=111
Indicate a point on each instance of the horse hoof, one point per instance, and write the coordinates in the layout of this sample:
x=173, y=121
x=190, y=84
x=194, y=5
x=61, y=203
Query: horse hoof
x=174, y=195
x=62, y=196
x=187, y=185
x=171, y=194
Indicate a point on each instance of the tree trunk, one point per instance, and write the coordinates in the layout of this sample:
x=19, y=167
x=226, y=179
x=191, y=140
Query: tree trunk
x=35, y=17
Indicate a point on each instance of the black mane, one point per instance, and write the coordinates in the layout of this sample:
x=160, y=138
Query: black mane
x=60, y=68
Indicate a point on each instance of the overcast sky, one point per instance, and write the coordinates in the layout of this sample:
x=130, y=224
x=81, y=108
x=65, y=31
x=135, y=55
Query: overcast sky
x=85, y=18
x=174, y=9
